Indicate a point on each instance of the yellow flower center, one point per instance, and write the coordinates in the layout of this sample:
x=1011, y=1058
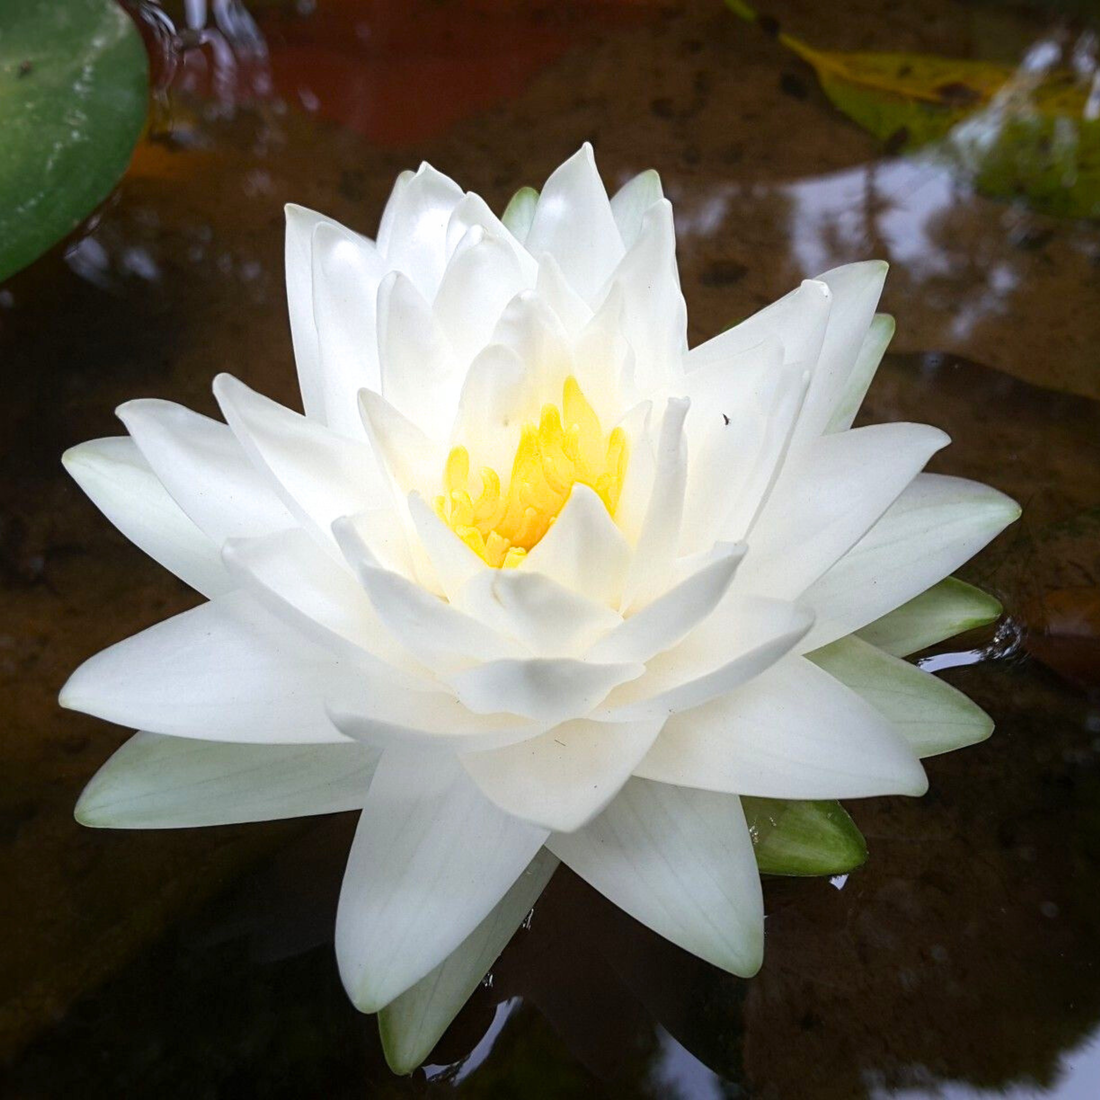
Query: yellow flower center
x=567, y=446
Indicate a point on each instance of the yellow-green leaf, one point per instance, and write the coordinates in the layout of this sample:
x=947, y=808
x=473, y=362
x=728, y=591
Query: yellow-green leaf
x=1015, y=133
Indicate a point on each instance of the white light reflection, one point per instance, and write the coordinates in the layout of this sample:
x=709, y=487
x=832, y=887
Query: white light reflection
x=679, y=1075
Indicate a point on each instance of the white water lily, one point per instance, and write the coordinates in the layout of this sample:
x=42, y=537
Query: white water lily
x=532, y=581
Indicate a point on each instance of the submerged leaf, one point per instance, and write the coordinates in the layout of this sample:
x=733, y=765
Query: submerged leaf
x=803, y=838
x=1016, y=132
x=73, y=96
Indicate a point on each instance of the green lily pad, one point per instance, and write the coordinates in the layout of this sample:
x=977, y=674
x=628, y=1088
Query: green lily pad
x=803, y=838
x=73, y=97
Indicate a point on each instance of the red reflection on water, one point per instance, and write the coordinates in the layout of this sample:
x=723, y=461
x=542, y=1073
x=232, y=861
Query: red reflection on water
x=400, y=71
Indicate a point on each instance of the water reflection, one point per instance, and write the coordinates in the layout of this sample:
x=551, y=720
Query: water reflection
x=961, y=962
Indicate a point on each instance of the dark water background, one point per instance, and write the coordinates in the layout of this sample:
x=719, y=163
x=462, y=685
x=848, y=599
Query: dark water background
x=961, y=962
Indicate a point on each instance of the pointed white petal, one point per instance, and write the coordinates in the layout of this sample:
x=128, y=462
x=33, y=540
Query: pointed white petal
x=421, y=376
x=520, y=212
x=411, y=459
x=300, y=224
x=544, y=617
x=660, y=533
x=411, y=1025
x=347, y=270
x=437, y=634
x=297, y=581
x=792, y=732
x=202, y=465
x=430, y=860
x=584, y=550
x=481, y=278
x=120, y=483
x=391, y=211
x=381, y=535
x=317, y=473
x=827, y=499
x=497, y=396
x=545, y=689
x=632, y=200
x=553, y=288
x=157, y=782
x=799, y=320
x=534, y=332
x=681, y=862
x=565, y=777
x=859, y=381
x=944, y=610
x=931, y=715
x=934, y=526
x=415, y=240
x=225, y=671
x=672, y=616
x=739, y=641
x=856, y=289
x=454, y=563
x=655, y=314
x=574, y=223
x=474, y=211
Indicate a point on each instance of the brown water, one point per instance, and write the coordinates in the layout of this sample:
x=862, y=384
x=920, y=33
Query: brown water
x=962, y=961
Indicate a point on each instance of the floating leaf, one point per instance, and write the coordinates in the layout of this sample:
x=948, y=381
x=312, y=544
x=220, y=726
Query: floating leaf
x=1016, y=132
x=803, y=838
x=73, y=96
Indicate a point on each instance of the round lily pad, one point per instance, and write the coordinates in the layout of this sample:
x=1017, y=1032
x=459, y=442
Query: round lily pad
x=73, y=98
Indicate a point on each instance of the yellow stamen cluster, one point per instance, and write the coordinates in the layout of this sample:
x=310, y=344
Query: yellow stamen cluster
x=565, y=447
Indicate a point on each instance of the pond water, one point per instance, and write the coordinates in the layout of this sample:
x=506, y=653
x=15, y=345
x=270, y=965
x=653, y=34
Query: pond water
x=962, y=961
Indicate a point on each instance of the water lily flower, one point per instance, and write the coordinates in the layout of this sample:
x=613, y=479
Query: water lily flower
x=532, y=581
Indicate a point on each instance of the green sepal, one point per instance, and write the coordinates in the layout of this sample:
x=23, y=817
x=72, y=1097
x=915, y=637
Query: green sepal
x=803, y=838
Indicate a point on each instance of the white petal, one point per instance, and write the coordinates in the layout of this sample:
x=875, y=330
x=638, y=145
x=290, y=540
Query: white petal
x=655, y=314
x=856, y=289
x=347, y=270
x=739, y=641
x=944, y=610
x=681, y=862
x=546, y=618
x=411, y=1025
x=497, y=396
x=318, y=474
x=120, y=483
x=799, y=320
x=743, y=411
x=584, y=550
x=565, y=777
x=792, y=732
x=548, y=690
x=430, y=860
x=482, y=277
x=225, y=671
x=421, y=377
x=534, y=332
x=931, y=715
x=827, y=499
x=602, y=357
x=297, y=581
x=474, y=211
x=437, y=634
x=391, y=212
x=454, y=563
x=415, y=241
x=381, y=535
x=408, y=455
x=300, y=224
x=202, y=465
x=553, y=288
x=520, y=212
x=934, y=526
x=632, y=200
x=670, y=617
x=660, y=533
x=859, y=381
x=574, y=223
x=157, y=782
